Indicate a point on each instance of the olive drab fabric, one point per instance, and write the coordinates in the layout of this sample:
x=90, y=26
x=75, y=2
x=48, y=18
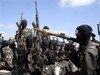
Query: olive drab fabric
x=88, y=59
x=98, y=61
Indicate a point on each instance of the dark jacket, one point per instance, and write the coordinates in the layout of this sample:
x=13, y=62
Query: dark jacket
x=88, y=59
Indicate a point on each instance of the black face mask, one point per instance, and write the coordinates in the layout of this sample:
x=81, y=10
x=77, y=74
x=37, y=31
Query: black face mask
x=80, y=39
x=83, y=39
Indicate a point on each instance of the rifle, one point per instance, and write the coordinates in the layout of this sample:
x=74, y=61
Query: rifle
x=37, y=17
x=19, y=26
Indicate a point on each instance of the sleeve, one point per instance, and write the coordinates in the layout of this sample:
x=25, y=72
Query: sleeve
x=90, y=61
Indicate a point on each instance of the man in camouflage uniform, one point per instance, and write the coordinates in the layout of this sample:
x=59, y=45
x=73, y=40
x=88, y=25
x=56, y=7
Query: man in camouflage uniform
x=24, y=46
x=49, y=62
x=25, y=33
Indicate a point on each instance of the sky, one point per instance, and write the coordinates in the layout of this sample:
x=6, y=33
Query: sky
x=61, y=16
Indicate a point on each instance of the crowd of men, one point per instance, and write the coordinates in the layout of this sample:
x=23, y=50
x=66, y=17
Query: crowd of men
x=34, y=53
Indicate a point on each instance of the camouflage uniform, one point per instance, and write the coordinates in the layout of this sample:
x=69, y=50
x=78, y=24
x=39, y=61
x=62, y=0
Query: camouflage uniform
x=25, y=33
x=35, y=64
x=7, y=58
x=48, y=69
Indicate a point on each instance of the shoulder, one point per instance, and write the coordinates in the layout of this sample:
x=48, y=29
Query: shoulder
x=92, y=50
x=91, y=46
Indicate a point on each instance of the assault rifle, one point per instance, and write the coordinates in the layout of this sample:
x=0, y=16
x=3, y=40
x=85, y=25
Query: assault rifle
x=19, y=26
x=36, y=25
